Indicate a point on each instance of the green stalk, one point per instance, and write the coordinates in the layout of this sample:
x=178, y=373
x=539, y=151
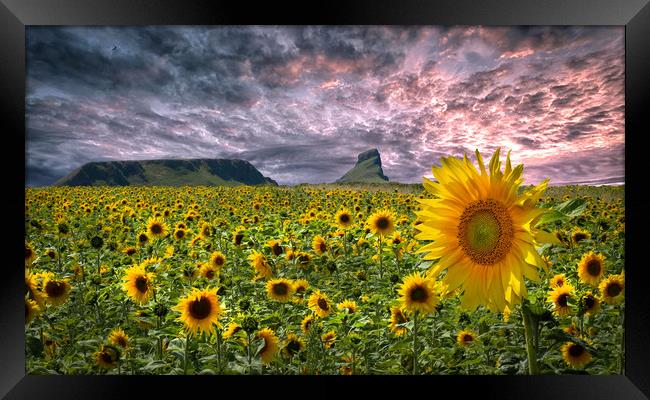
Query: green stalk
x=530, y=332
x=250, y=362
x=415, y=343
x=219, y=350
x=381, y=265
x=187, y=351
x=99, y=268
x=622, y=356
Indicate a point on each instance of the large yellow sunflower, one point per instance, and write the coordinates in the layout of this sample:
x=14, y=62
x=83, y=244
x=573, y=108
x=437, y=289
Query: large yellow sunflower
x=575, y=355
x=231, y=330
x=32, y=290
x=208, y=271
x=347, y=306
x=591, y=268
x=29, y=254
x=328, y=339
x=260, y=264
x=31, y=310
x=156, y=228
x=397, y=317
x=276, y=247
x=280, y=289
x=465, y=338
x=418, y=294
x=199, y=310
x=300, y=286
x=320, y=304
x=557, y=280
x=344, y=218
x=138, y=284
x=107, y=357
x=56, y=291
x=293, y=344
x=589, y=303
x=612, y=289
x=560, y=298
x=217, y=260
x=271, y=347
x=381, y=223
x=319, y=244
x=305, y=324
x=119, y=337
x=483, y=230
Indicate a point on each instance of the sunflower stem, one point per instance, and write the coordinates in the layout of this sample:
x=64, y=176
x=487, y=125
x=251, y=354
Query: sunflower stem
x=622, y=356
x=415, y=343
x=529, y=330
x=159, y=340
x=250, y=362
x=381, y=265
x=99, y=269
x=219, y=350
x=187, y=352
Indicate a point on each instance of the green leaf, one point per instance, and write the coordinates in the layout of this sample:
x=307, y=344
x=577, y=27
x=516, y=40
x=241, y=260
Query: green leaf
x=563, y=211
x=154, y=365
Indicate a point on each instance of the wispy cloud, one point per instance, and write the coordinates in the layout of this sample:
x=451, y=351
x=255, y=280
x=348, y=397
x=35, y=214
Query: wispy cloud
x=301, y=102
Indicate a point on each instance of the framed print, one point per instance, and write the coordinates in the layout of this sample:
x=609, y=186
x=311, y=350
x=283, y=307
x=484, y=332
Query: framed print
x=441, y=194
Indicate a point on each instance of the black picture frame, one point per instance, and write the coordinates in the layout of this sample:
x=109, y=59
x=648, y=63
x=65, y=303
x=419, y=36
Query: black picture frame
x=633, y=14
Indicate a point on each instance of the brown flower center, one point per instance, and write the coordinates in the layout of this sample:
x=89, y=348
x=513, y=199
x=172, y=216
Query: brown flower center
x=563, y=299
x=141, y=284
x=156, y=229
x=593, y=267
x=576, y=350
x=106, y=357
x=419, y=294
x=55, y=288
x=344, y=218
x=485, y=231
x=400, y=317
x=293, y=346
x=382, y=223
x=579, y=236
x=280, y=289
x=201, y=308
x=613, y=289
x=322, y=303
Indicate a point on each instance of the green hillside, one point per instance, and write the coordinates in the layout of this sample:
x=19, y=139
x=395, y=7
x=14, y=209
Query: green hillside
x=194, y=172
x=367, y=169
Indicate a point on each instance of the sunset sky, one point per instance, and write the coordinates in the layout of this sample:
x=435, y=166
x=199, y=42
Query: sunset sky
x=300, y=103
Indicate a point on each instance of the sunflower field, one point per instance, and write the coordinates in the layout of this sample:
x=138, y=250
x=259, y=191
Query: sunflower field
x=327, y=279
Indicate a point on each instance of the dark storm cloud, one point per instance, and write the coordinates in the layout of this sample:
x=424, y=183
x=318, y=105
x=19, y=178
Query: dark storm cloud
x=301, y=102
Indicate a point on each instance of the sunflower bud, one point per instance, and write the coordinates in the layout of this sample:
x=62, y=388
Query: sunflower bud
x=244, y=304
x=160, y=310
x=249, y=324
x=97, y=242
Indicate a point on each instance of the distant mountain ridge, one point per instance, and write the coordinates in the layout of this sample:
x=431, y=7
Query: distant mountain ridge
x=170, y=172
x=367, y=169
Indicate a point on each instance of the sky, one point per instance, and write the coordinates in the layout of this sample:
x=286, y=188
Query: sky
x=300, y=103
